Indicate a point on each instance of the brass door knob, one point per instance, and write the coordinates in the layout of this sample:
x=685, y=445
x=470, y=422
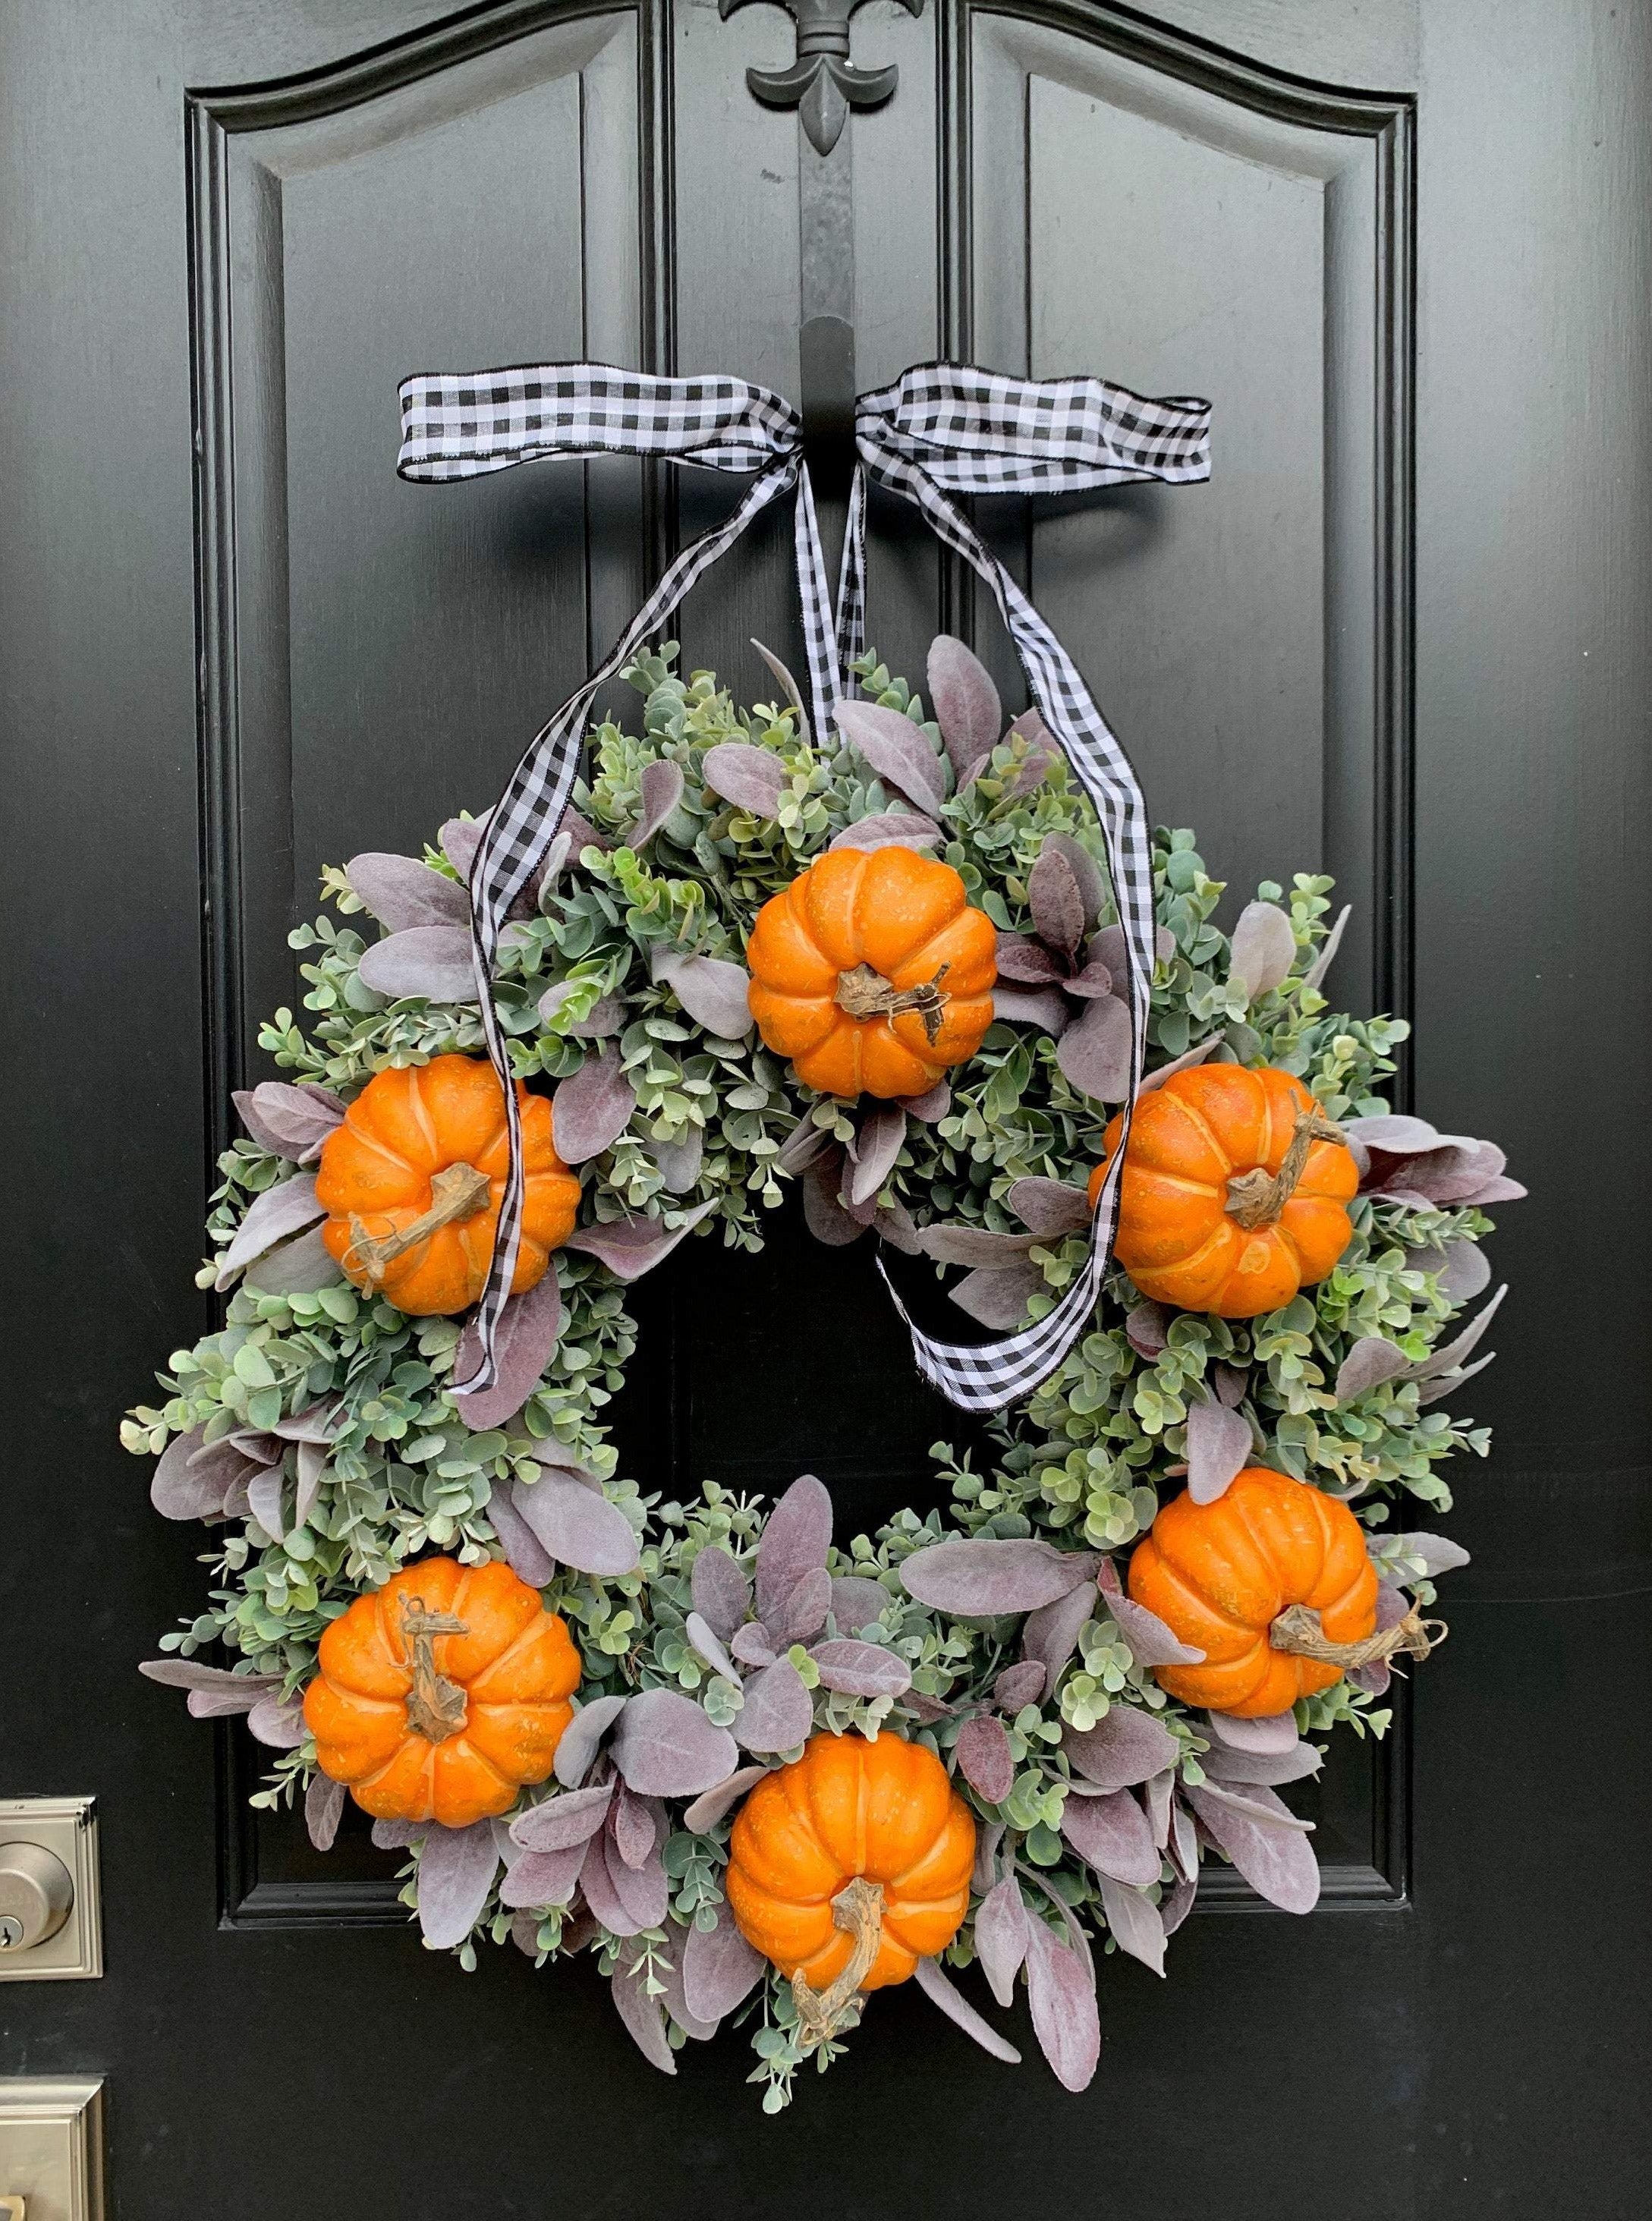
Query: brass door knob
x=36, y=1894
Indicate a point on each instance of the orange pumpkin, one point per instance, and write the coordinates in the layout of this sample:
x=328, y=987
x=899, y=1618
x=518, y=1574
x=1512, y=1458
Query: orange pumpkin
x=871, y=1831
x=1220, y=1575
x=1233, y=1193
x=872, y=973
x=441, y=1693
x=413, y=1180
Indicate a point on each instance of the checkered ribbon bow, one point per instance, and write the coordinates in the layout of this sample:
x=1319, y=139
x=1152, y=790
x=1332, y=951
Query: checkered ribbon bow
x=941, y=429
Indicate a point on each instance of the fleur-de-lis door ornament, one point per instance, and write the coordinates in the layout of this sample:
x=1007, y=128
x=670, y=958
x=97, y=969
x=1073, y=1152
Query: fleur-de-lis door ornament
x=823, y=85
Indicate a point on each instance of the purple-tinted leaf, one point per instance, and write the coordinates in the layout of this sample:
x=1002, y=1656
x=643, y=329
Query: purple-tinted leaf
x=589, y=1111
x=1112, y=1835
x=965, y=701
x=1175, y=1908
x=324, y=1810
x=1109, y=946
x=1145, y=1329
x=1495, y=1190
x=1043, y=752
x=456, y=1871
x=1057, y=906
x=605, y=1016
x=294, y=1122
x=720, y=1968
x=750, y=1644
x=861, y=1669
x=803, y=1612
x=709, y=1807
x=1275, y=1733
x=603, y=1900
x=559, y=1823
x=1050, y=1207
x=980, y=1577
x=264, y=1492
x=1185, y=1062
x=1368, y=1365
x=1256, y=1804
x=893, y=1223
x=1161, y=1795
x=1438, y=1552
x=1456, y=1171
x=927, y=1710
x=631, y=1247
x=281, y=1210
x=932, y=1106
x=1061, y=1992
x=1094, y=1052
x=189, y=1673
x=976, y=1245
x=882, y=1137
x=1277, y=1861
x=1001, y=1935
x=578, y=1527
x=984, y=1758
x=713, y=991
x=792, y=690
x=643, y=1890
x=1150, y=1642
x=1024, y=1684
x=679, y=1162
x=778, y=1712
x=721, y=1591
x=522, y=1347
x=401, y=892
x=707, y=1645
x=1093, y=981
x=223, y=1704
x=998, y=1295
x=888, y=829
x=1044, y=1007
x=191, y=1482
x=674, y=2001
x=753, y=779
x=1124, y=1747
x=1453, y=1354
x=796, y=1537
x=582, y=1737
x=1230, y=1383
x=280, y=1726
x=1051, y=1633
x=1183, y=1846
x=1028, y=963
x=297, y=1267
x=644, y=2021
x=460, y=838
x=896, y=749
x=824, y=1215
x=957, y=2008
x=661, y=791
x=1218, y=1449
x=858, y=1602
x=1462, y=1266
x=397, y=1834
x=1134, y=1922
x=539, y=1878
x=1087, y=875
x=524, y=1552
x=431, y=962
x=989, y=1835
x=1268, y=1767
x=1316, y=972
x=1432, y=1391
x=666, y=1747
x=1263, y=949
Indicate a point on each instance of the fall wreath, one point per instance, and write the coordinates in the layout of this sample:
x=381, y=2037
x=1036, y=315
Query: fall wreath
x=760, y=1772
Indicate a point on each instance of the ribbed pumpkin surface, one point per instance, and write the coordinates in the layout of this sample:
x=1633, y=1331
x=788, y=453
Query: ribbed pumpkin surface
x=1219, y=1574
x=884, y=1809
x=516, y=1665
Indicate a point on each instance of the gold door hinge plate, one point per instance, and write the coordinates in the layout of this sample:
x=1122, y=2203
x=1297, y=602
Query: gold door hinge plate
x=52, y=2148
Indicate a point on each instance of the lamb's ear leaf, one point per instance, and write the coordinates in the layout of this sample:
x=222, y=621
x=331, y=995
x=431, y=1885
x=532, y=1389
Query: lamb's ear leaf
x=959, y=2012
x=592, y=1110
x=751, y=778
x=897, y=751
x=456, y=1871
x=431, y=963
x=965, y=701
x=1263, y=949
x=1061, y=1990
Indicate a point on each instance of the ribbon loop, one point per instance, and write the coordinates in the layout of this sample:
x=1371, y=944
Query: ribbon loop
x=940, y=429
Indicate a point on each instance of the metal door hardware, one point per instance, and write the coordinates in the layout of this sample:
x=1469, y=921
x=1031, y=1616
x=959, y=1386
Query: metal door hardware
x=50, y=1929
x=51, y=2150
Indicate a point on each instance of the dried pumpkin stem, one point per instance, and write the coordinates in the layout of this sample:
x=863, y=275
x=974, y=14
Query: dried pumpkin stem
x=865, y=993
x=859, y=1910
x=458, y=1192
x=435, y=1705
x=1256, y=1198
x=1298, y=1630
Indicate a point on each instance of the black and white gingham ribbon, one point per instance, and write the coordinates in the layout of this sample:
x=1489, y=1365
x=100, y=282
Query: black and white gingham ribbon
x=940, y=430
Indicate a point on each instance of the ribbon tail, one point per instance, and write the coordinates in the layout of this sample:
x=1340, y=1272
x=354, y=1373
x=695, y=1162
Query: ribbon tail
x=814, y=595
x=852, y=579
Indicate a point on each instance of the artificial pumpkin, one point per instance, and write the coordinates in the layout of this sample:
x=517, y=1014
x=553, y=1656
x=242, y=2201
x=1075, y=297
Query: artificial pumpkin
x=872, y=973
x=1221, y=1574
x=413, y=1179
x=849, y=1865
x=1233, y=1191
x=439, y=1694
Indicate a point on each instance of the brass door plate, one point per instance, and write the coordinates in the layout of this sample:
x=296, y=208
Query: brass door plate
x=52, y=2148
x=67, y=1827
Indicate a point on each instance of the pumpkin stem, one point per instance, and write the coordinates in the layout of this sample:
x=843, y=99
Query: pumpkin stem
x=859, y=1910
x=1256, y=1198
x=1298, y=1630
x=457, y=1191
x=436, y=1706
x=865, y=993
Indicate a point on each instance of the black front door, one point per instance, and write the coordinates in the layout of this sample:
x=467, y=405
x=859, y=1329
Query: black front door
x=1400, y=638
